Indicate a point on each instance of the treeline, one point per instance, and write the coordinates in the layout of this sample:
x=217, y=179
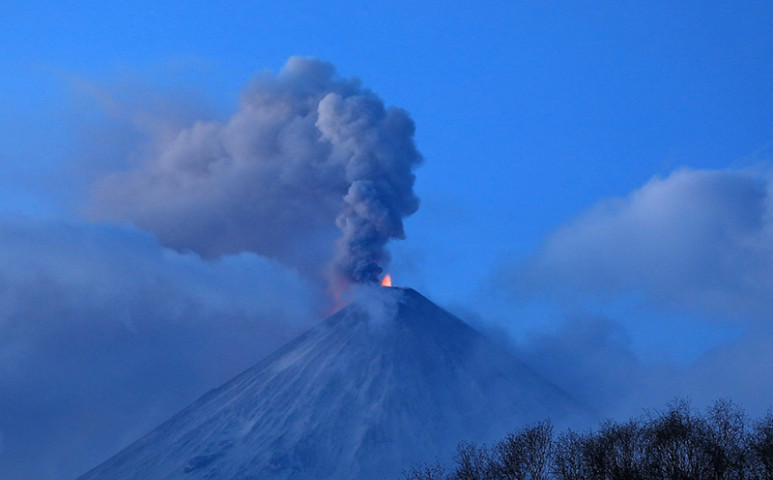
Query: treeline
x=675, y=444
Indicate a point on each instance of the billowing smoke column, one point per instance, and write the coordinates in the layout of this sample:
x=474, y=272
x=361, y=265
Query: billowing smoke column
x=312, y=170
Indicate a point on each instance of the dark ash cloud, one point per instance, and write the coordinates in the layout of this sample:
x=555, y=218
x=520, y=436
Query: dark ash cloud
x=311, y=170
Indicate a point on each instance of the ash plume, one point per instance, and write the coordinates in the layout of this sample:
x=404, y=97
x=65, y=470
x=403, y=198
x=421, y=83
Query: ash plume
x=312, y=170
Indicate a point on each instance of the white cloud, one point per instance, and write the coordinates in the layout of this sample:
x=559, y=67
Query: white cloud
x=698, y=240
x=104, y=333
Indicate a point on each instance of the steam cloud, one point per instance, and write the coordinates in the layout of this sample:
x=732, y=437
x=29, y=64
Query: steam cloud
x=311, y=170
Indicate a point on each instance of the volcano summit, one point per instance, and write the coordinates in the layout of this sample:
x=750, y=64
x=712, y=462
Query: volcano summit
x=389, y=380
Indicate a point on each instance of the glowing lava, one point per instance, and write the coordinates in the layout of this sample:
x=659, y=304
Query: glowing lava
x=387, y=281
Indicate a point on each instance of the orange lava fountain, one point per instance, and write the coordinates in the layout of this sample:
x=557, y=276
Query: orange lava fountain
x=387, y=281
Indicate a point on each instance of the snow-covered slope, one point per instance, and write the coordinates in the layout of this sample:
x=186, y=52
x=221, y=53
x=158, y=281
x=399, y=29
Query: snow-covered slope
x=386, y=382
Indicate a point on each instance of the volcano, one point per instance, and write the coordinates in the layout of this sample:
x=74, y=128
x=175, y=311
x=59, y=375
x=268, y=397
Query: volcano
x=388, y=381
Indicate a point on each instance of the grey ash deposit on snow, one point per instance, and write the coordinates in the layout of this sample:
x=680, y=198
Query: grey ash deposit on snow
x=389, y=380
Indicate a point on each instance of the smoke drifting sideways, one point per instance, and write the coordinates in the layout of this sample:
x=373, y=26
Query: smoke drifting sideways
x=311, y=170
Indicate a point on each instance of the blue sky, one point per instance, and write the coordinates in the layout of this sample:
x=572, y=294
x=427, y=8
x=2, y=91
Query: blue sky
x=594, y=177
